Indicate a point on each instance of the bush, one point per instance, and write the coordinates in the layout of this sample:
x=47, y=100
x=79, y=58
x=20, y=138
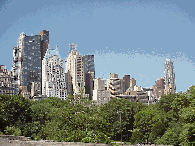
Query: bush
x=1, y=133
x=87, y=140
x=12, y=131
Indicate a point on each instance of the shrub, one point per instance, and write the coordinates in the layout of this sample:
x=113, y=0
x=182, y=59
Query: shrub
x=87, y=140
x=12, y=131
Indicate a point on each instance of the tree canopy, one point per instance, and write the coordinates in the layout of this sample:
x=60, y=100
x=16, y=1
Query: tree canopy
x=170, y=121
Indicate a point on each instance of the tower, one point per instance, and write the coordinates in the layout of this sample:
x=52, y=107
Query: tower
x=27, y=62
x=74, y=65
x=53, y=80
x=169, y=77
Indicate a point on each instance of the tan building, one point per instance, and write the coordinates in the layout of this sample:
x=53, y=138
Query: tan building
x=113, y=76
x=158, y=89
x=101, y=96
x=74, y=64
x=132, y=83
x=137, y=95
x=170, y=89
x=126, y=79
x=114, y=85
x=99, y=84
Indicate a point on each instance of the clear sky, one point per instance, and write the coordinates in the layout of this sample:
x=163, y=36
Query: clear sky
x=132, y=37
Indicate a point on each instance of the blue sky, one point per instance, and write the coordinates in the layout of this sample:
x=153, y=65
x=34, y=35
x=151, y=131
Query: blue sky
x=132, y=37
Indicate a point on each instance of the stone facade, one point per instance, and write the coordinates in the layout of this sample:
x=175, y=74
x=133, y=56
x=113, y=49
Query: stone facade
x=169, y=77
x=74, y=65
x=53, y=80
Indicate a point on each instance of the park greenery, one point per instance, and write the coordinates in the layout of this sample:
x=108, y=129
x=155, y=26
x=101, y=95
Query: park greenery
x=170, y=121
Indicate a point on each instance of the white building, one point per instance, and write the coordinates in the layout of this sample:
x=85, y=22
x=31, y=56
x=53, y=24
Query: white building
x=74, y=65
x=6, y=81
x=100, y=95
x=53, y=79
x=99, y=84
x=137, y=88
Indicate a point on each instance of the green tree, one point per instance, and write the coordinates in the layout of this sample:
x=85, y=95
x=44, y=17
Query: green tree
x=109, y=118
x=148, y=125
x=14, y=111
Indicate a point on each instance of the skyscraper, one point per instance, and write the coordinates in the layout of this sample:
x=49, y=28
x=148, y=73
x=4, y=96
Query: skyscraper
x=169, y=77
x=89, y=70
x=74, y=65
x=88, y=63
x=27, y=66
x=53, y=81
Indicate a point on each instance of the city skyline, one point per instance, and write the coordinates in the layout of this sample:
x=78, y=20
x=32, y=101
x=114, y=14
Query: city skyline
x=133, y=38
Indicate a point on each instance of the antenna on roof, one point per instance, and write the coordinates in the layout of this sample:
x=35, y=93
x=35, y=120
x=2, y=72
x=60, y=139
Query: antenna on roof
x=72, y=46
x=56, y=48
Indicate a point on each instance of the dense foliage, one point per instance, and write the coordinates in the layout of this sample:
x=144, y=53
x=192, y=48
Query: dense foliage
x=170, y=121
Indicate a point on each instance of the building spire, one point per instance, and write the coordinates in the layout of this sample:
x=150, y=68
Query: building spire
x=56, y=48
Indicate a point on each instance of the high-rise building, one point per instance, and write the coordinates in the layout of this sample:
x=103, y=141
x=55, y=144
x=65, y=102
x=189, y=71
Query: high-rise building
x=53, y=81
x=169, y=77
x=88, y=63
x=27, y=66
x=74, y=65
x=44, y=44
x=89, y=70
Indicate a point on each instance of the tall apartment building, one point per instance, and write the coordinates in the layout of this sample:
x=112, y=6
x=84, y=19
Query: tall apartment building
x=169, y=77
x=6, y=81
x=27, y=66
x=100, y=95
x=74, y=65
x=53, y=81
x=89, y=70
